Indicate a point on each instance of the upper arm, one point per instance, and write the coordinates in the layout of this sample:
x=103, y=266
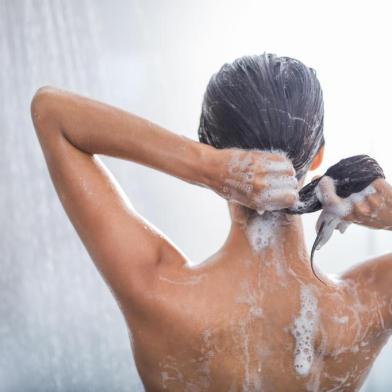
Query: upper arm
x=374, y=278
x=124, y=246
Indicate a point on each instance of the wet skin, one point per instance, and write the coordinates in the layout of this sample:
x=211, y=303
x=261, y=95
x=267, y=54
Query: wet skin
x=227, y=324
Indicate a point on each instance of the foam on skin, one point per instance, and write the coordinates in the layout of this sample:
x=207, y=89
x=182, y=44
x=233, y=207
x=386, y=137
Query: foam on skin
x=303, y=331
x=274, y=166
x=334, y=209
x=278, y=188
x=249, y=297
x=340, y=320
x=275, y=196
x=262, y=229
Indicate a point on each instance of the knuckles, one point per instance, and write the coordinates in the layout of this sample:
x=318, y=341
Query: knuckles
x=362, y=209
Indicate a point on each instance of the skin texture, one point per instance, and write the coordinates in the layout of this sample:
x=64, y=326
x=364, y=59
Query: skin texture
x=230, y=323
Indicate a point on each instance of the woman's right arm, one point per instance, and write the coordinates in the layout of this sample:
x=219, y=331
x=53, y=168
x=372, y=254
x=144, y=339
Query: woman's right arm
x=374, y=276
x=375, y=210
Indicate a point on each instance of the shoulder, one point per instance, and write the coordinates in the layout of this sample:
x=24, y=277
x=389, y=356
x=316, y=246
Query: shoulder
x=371, y=283
x=147, y=277
x=375, y=273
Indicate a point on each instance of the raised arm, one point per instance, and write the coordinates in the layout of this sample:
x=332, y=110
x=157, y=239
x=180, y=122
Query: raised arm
x=126, y=249
x=71, y=129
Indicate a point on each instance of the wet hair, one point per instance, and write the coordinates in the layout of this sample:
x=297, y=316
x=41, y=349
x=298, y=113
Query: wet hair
x=272, y=103
x=265, y=102
x=350, y=175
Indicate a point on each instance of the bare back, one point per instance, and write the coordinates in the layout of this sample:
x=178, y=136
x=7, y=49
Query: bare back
x=241, y=326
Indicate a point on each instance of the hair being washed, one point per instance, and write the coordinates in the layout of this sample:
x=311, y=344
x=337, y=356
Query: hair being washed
x=274, y=103
x=265, y=102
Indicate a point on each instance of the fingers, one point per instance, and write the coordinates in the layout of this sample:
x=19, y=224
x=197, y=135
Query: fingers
x=362, y=205
x=335, y=209
x=276, y=186
x=278, y=167
x=326, y=192
x=276, y=163
x=278, y=192
x=261, y=180
x=337, y=212
x=274, y=199
x=280, y=181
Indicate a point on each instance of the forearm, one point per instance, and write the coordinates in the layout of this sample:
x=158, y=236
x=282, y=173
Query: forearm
x=97, y=128
x=375, y=210
x=94, y=127
x=382, y=210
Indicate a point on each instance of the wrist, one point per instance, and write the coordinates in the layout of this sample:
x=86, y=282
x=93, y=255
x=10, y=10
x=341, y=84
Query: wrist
x=380, y=203
x=387, y=205
x=210, y=166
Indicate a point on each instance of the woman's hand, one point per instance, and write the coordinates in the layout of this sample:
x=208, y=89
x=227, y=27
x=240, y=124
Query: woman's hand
x=256, y=179
x=375, y=209
x=372, y=207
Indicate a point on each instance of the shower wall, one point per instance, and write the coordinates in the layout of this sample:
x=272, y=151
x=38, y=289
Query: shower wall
x=60, y=329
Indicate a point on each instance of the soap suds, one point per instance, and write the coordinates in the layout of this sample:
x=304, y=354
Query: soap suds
x=262, y=230
x=303, y=331
x=340, y=320
x=335, y=208
x=187, y=281
x=248, y=297
x=276, y=166
x=245, y=350
x=341, y=383
x=170, y=372
x=279, y=187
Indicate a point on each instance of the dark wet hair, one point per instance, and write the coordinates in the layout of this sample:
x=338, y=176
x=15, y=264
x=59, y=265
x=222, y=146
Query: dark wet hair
x=350, y=175
x=265, y=102
x=271, y=103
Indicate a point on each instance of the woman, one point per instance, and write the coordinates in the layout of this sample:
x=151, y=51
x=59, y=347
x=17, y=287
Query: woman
x=253, y=316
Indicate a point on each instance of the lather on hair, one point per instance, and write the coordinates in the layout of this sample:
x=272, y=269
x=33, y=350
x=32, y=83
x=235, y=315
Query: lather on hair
x=350, y=175
x=269, y=103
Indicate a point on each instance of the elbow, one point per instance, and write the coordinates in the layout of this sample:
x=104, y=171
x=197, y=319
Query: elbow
x=42, y=108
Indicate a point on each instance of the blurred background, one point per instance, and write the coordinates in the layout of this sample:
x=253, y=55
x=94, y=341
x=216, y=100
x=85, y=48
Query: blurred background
x=60, y=329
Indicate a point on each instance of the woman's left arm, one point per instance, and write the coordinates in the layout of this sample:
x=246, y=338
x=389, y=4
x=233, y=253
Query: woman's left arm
x=125, y=248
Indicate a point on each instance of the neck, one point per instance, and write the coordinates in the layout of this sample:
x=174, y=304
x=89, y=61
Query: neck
x=269, y=238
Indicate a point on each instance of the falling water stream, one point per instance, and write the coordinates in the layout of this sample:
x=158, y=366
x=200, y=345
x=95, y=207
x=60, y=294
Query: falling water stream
x=60, y=329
